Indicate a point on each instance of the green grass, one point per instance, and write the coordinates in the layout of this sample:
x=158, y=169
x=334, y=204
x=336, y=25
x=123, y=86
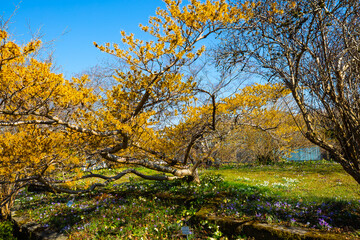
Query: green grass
x=313, y=195
x=312, y=181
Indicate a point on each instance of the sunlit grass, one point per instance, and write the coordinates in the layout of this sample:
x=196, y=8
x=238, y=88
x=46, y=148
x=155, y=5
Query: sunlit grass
x=313, y=181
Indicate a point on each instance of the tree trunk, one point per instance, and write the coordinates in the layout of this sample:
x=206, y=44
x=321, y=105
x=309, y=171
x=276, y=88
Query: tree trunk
x=6, y=211
x=195, y=177
x=5, y=206
x=351, y=171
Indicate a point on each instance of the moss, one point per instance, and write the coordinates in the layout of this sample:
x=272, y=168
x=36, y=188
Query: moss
x=205, y=211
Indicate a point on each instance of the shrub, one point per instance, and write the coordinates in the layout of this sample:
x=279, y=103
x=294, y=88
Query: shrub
x=214, y=179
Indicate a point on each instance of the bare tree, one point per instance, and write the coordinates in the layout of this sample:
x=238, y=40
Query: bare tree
x=313, y=47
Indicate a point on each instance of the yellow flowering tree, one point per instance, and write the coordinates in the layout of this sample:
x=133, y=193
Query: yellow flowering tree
x=153, y=87
x=31, y=99
x=50, y=125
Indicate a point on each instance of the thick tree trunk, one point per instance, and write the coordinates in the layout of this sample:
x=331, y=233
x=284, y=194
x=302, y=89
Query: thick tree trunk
x=194, y=177
x=351, y=170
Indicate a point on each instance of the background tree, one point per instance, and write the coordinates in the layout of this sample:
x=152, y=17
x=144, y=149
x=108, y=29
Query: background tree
x=313, y=48
x=257, y=125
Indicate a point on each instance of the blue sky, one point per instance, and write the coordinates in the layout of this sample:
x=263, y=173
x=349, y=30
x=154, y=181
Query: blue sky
x=75, y=24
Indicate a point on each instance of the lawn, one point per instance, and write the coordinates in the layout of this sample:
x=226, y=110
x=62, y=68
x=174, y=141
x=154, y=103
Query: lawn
x=317, y=181
x=315, y=195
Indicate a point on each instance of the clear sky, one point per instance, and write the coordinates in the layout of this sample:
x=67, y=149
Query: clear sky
x=75, y=24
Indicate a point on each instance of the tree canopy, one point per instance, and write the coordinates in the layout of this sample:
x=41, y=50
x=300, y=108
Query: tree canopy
x=52, y=127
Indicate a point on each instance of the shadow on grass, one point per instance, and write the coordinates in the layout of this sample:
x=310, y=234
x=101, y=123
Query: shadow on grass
x=319, y=212
x=142, y=206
